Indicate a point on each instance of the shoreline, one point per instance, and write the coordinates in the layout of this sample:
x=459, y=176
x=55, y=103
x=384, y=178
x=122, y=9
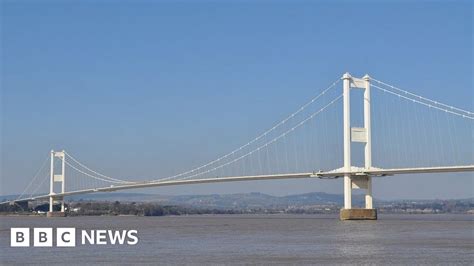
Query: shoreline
x=233, y=214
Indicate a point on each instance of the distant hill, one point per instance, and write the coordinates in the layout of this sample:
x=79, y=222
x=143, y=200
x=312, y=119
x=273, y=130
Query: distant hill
x=259, y=200
x=241, y=201
x=225, y=201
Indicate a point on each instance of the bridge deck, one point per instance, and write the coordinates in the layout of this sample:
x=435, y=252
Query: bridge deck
x=329, y=174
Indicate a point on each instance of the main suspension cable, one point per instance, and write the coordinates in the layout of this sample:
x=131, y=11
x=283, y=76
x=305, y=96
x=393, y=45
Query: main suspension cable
x=255, y=139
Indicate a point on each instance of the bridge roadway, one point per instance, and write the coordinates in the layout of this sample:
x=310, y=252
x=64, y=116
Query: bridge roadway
x=355, y=171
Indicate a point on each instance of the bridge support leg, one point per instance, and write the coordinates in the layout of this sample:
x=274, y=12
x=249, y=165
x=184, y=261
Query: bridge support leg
x=347, y=192
x=368, y=194
x=51, y=202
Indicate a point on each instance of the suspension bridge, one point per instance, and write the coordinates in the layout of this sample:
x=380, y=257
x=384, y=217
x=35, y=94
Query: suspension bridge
x=363, y=129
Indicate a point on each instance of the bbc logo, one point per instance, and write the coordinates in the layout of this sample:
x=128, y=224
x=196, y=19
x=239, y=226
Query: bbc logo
x=43, y=237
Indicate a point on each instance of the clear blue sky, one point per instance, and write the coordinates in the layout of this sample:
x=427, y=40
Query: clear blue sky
x=140, y=88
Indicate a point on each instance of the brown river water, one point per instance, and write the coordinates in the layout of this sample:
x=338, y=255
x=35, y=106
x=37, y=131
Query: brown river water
x=255, y=239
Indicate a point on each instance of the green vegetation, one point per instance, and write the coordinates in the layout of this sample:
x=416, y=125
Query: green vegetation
x=139, y=209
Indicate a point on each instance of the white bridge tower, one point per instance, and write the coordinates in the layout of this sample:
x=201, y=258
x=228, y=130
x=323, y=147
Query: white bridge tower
x=357, y=134
x=56, y=178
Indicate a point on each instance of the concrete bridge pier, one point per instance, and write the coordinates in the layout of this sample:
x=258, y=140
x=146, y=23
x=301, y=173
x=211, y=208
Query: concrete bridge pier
x=51, y=212
x=367, y=213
